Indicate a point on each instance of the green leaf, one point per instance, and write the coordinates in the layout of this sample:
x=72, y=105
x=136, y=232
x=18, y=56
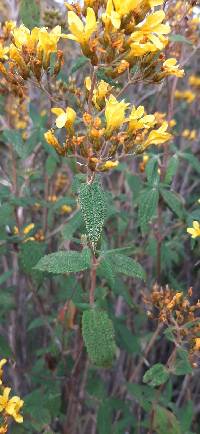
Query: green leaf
x=14, y=137
x=165, y=421
x=30, y=13
x=156, y=375
x=125, y=265
x=151, y=170
x=179, y=38
x=65, y=262
x=171, y=169
x=50, y=165
x=80, y=61
x=182, y=365
x=173, y=201
x=98, y=336
x=104, y=418
x=148, y=204
x=92, y=202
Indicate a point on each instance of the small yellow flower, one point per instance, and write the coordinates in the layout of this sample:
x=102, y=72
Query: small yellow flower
x=185, y=133
x=88, y=83
x=2, y=363
x=110, y=165
x=114, y=113
x=187, y=95
x=3, y=429
x=194, y=81
x=11, y=406
x=126, y=6
x=3, y=52
x=22, y=36
x=195, y=230
x=111, y=16
x=196, y=346
x=171, y=67
x=138, y=120
x=65, y=209
x=48, y=40
x=193, y=135
x=28, y=228
x=152, y=31
x=158, y=137
x=153, y=3
x=172, y=123
x=79, y=32
x=65, y=118
x=100, y=93
x=9, y=26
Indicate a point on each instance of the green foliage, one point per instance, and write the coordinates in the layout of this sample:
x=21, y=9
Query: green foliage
x=98, y=335
x=123, y=264
x=92, y=202
x=148, y=203
x=30, y=13
x=64, y=262
x=156, y=375
x=165, y=421
x=173, y=201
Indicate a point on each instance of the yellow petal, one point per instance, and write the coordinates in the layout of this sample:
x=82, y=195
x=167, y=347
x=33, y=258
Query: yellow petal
x=61, y=120
x=57, y=111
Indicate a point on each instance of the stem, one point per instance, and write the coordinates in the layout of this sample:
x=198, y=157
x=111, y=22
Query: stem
x=93, y=275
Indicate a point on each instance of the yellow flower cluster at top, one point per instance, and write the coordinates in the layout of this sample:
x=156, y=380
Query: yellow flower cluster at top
x=118, y=38
x=174, y=309
x=9, y=407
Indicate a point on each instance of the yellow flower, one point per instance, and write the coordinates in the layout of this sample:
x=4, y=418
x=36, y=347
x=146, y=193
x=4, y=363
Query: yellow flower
x=3, y=429
x=48, y=40
x=28, y=228
x=153, y=3
x=9, y=26
x=110, y=165
x=65, y=209
x=114, y=113
x=2, y=363
x=193, y=135
x=157, y=137
x=196, y=344
x=65, y=118
x=126, y=6
x=111, y=16
x=79, y=32
x=100, y=93
x=11, y=406
x=195, y=230
x=171, y=67
x=3, y=52
x=22, y=36
x=152, y=32
x=188, y=95
x=137, y=120
x=186, y=133
x=172, y=123
x=53, y=141
x=194, y=81
x=88, y=83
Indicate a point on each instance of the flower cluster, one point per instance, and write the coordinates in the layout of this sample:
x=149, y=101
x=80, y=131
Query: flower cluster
x=175, y=310
x=9, y=407
x=108, y=137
